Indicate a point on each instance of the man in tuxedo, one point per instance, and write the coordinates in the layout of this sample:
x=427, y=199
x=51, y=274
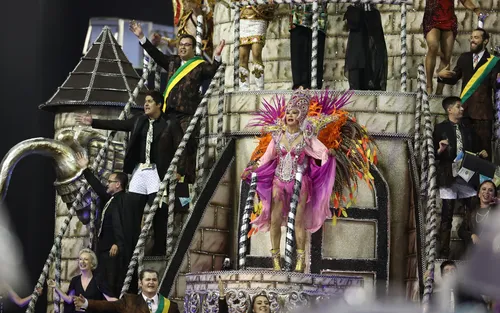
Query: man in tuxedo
x=148, y=301
x=118, y=228
x=186, y=74
x=153, y=141
x=452, y=137
x=477, y=98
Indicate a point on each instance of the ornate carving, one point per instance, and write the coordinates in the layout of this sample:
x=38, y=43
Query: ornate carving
x=239, y=301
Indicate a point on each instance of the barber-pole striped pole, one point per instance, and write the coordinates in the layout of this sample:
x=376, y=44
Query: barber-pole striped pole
x=157, y=77
x=236, y=48
x=220, y=114
x=146, y=62
x=497, y=126
x=170, y=219
x=290, y=226
x=418, y=121
x=431, y=218
x=314, y=50
x=199, y=35
x=404, y=68
x=245, y=223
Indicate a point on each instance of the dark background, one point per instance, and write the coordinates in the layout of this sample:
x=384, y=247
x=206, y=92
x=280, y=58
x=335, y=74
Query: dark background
x=42, y=42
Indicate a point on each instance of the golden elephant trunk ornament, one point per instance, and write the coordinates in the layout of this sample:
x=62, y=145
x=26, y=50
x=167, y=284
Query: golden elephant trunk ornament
x=67, y=170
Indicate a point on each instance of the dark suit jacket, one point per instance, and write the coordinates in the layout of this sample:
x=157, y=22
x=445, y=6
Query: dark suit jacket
x=124, y=219
x=165, y=141
x=129, y=303
x=480, y=105
x=185, y=96
x=446, y=130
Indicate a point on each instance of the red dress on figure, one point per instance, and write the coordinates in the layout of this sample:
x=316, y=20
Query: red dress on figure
x=440, y=14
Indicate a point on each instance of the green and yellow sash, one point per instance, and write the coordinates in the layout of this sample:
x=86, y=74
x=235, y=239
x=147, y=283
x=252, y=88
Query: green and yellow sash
x=163, y=304
x=181, y=72
x=478, y=78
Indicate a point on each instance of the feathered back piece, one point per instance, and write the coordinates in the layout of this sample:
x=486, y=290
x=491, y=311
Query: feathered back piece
x=355, y=149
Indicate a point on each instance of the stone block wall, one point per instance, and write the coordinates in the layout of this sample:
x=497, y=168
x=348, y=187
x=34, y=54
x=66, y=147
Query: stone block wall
x=211, y=242
x=276, y=54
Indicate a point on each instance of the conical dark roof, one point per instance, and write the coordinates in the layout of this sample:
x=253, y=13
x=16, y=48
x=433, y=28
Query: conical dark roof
x=103, y=77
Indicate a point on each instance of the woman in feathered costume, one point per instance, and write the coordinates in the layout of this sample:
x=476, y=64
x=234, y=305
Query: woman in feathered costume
x=309, y=135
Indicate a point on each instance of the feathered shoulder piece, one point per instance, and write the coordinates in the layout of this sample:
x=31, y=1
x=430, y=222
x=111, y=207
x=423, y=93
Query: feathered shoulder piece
x=334, y=127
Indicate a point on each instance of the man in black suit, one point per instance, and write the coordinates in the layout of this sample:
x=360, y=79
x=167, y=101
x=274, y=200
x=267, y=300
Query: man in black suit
x=451, y=138
x=118, y=226
x=153, y=141
x=478, y=106
x=148, y=301
x=182, y=95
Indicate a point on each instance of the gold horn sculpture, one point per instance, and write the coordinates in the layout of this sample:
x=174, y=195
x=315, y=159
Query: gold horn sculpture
x=67, y=170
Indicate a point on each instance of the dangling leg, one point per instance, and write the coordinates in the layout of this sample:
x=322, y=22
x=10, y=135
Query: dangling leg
x=258, y=65
x=244, y=72
x=447, y=41
x=432, y=40
x=300, y=233
x=275, y=231
x=446, y=220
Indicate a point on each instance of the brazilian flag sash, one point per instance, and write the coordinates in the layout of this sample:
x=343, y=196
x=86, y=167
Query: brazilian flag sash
x=181, y=72
x=478, y=78
x=163, y=304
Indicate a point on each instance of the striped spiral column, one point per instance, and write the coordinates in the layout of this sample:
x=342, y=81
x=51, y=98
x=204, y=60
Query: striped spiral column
x=146, y=62
x=199, y=35
x=170, y=219
x=92, y=219
x=290, y=226
x=314, y=48
x=149, y=214
x=424, y=161
x=431, y=218
x=418, y=121
x=245, y=223
x=57, y=270
x=202, y=147
x=404, y=69
x=220, y=114
x=236, y=48
x=157, y=70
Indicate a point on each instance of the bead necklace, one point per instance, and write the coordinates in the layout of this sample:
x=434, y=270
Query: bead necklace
x=291, y=137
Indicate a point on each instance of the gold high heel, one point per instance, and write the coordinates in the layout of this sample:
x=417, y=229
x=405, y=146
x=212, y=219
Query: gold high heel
x=301, y=261
x=275, y=253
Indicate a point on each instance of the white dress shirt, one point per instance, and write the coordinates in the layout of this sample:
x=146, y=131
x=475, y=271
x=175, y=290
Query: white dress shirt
x=480, y=55
x=154, y=305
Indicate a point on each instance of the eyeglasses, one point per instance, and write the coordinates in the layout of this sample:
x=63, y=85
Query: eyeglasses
x=113, y=181
x=185, y=44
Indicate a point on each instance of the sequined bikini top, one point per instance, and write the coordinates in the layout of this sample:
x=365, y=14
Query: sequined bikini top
x=289, y=162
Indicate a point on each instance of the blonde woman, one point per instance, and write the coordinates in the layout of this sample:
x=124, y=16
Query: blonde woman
x=84, y=284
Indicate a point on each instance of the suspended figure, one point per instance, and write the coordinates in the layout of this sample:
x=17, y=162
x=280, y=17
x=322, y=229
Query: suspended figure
x=185, y=20
x=253, y=27
x=440, y=30
x=309, y=152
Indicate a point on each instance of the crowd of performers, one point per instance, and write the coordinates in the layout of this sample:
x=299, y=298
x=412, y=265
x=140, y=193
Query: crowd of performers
x=309, y=158
x=366, y=61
